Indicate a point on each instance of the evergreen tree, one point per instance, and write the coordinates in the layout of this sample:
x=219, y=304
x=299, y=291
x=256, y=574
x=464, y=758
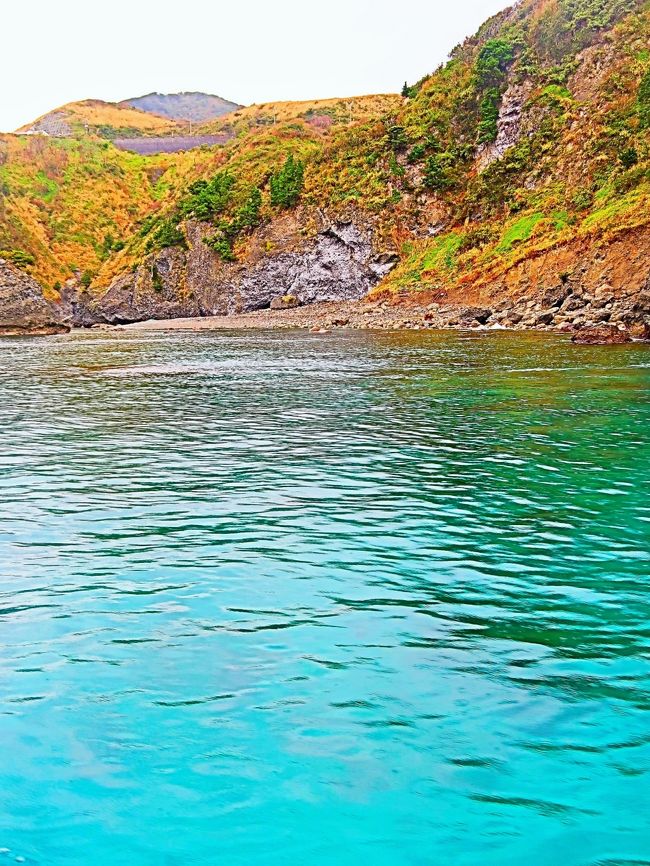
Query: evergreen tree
x=168, y=234
x=629, y=157
x=286, y=184
x=248, y=215
x=490, y=76
x=222, y=246
x=437, y=175
x=208, y=198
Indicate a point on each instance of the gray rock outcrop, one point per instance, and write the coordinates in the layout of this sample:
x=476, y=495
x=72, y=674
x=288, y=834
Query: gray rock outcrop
x=23, y=309
x=340, y=263
x=508, y=125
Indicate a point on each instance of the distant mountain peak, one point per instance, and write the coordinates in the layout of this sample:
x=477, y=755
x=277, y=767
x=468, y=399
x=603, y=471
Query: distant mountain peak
x=188, y=105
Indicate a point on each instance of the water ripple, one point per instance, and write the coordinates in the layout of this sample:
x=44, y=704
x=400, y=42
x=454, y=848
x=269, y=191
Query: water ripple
x=377, y=599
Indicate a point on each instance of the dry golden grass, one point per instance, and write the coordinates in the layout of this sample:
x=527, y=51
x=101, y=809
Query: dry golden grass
x=352, y=109
x=95, y=113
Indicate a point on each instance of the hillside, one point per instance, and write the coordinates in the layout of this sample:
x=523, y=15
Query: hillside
x=68, y=204
x=104, y=119
x=156, y=114
x=516, y=177
x=319, y=114
x=197, y=107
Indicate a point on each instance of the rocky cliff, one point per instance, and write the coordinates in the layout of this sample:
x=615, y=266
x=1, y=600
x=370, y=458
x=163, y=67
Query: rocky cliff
x=23, y=309
x=338, y=263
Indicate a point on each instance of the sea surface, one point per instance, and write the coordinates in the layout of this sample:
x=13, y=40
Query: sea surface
x=274, y=599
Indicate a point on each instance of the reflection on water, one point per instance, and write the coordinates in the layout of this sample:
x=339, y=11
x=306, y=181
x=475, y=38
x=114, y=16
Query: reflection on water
x=368, y=598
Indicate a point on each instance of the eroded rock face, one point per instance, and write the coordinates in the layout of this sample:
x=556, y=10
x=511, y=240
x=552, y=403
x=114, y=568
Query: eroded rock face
x=23, y=309
x=155, y=291
x=582, y=284
x=508, y=125
x=340, y=266
x=340, y=263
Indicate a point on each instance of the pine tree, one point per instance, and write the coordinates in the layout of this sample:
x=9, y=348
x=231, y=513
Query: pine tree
x=286, y=184
x=248, y=215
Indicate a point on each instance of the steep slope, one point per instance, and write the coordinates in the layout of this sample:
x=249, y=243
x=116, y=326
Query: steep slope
x=197, y=107
x=66, y=205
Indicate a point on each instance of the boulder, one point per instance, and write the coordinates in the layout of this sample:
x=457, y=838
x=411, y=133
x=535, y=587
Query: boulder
x=602, y=335
x=284, y=302
x=556, y=295
x=468, y=315
x=640, y=331
x=641, y=306
x=601, y=315
x=572, y=303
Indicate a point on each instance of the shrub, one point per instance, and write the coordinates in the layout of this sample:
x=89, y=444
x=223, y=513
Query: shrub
x=490, y=71
x=629, y=157
x=86, y=279
x=18, y=257
x=286, y=184
x=208, y=198
x=410, y=91
x=248, y=215
x=416, y=153
x=222, y=246
x=437, y=174
x=397, y=138
x=492, y=63
x=168, y=234
x=488, y=126
x=110, y=245
x=394, y=167
x=582, y=200
x=476, y=237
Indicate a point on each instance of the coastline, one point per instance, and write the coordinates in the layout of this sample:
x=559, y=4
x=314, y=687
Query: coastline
x=382, y=315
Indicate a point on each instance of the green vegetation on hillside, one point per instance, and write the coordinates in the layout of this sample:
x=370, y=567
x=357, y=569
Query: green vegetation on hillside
x=422, y=169
x=286, y=184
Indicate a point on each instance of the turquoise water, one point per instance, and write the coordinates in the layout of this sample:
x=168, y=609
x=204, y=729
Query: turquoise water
x=273, y=598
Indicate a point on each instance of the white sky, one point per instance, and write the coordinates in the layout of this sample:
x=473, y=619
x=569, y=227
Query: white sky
x=58, y=51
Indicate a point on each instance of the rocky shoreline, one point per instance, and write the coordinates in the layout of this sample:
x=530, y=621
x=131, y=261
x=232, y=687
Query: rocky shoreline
x=600, y=315
x=606, y=326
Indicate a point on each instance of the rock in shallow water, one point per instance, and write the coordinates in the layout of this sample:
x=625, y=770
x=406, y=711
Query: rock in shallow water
x=602, y=335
